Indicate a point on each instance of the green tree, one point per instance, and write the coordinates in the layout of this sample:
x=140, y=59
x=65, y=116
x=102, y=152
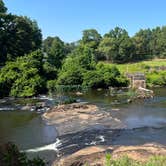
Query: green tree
x=117, y=33
x=104, y=76
x=71, y=73
x=91, y=38
x=108, y=48
x=142, y=42
x=158, y=42
x=117, y=46
x=55, y=52
x=23, y=77
x=54, y=48
x=13, y=31
x=80, y=60
x=3, y=9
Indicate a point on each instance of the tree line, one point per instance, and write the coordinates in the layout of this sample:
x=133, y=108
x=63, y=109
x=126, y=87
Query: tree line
x=30, y=65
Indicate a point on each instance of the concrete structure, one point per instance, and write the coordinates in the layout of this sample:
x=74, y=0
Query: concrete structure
x=137, y=80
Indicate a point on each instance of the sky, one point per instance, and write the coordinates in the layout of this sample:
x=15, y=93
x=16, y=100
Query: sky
x=68, y=18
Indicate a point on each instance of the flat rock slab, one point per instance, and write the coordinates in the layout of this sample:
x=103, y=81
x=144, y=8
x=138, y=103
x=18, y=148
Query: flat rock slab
x=75, y=117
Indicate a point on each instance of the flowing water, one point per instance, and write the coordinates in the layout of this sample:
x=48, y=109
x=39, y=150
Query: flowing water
x=145, y=122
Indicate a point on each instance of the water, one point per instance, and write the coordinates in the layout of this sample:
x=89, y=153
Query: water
x=145, y=122
x=26, y=129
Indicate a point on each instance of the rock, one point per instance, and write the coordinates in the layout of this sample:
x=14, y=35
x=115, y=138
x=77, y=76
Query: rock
x=79, y=93
x=95, y=155
x=25, y=108
x=129, y=100
x=75, y=117
x=115, y=109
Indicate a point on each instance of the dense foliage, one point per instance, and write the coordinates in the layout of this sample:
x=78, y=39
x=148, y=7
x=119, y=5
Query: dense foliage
x=11, y=156
x=23, y=77
x=18, y=35
x=3, y=9
x=104, y=76
x=29, y=66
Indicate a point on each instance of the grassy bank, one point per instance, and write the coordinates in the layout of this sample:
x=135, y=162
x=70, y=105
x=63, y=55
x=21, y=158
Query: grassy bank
x=155, y=70
x=142, y=66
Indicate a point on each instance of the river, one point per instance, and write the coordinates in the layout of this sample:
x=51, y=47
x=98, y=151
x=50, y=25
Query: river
x=145, y=122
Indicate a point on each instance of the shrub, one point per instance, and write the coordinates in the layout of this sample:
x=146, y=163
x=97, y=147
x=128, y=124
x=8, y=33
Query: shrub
x=93, y=79
x=104, y=76
x=156, y=78
x=23, y=77
x=51, y=85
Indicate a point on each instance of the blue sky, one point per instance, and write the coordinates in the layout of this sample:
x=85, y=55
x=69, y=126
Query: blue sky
x=68, y=18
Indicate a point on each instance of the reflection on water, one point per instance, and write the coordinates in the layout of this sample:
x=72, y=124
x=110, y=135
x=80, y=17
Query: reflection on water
x=26, y=129
x=141, y=113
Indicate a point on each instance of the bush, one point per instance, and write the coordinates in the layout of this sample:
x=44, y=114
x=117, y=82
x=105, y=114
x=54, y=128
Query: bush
x=27, y=86
x=70, y=77
x=156, y=78
x=22, y=78
x=93, y=79
x=51, y=85
x=71, y=73
x=104, y=76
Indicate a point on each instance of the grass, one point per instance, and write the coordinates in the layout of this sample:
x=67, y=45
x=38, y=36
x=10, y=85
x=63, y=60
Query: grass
x=125, y=161
x=140, y=66
x=154, y=77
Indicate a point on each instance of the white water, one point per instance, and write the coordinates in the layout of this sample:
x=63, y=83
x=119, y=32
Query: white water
x=44, y=97
x=102, y=139
x=53, y=147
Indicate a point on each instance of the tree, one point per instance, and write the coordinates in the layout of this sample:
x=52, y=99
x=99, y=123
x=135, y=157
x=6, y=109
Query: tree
x=55, y=51
x=117, y=33
x=117, y=46
x=54, y=48
x=91, y=38
x=158, y=42
x=13, y=31
x=142, y=41
x=71, y=73
x=93, y=79
x=104, y=76
x=108, y=48
x=23, y=77
x=80, y=60
x=3, y=9
x=84, y=56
